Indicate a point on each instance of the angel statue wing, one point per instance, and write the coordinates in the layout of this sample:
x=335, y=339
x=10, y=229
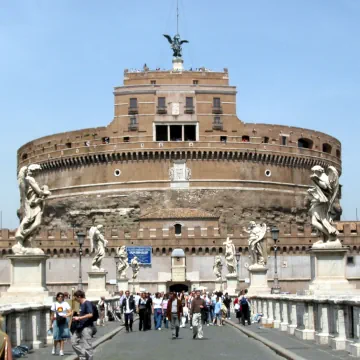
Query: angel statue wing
x=168, y=38
x=91, y=237
x=333, y=175
x=183, y=41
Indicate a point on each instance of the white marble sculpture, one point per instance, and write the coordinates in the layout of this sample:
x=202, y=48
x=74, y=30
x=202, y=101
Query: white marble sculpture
x=32, y=202
x=230, y=256
x=123, y=261
x=217, y=268
x=257, y=245
x=135, y=265
x=98, y=244
x=323, y=195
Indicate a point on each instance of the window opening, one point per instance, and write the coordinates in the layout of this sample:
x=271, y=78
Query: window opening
x=177, y=229
x=68, y=145
x=133, y=102
x=245, y=138
x=126, y=138
x=161, y=102
x=216, y=102
x=223, y=139
x=283, y=140
x=175, y=133
x=190, y=133
x=24, y=156
x=87, y=143
x=305, y=143
x=327, y=148
x=161, y=133
x=338, y=153
x=133, y=121
x=265, y=140
x=153, y=82
x=195, y=82
x=105, y=140
x=217, y=120
x=189, y=102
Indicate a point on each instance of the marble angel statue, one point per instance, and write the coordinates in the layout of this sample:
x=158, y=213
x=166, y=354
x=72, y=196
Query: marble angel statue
x=257, y=244
x=217, y=268
x=135, y=265
x=123, y=261
x=97, y=244
x=323, y=195
x=230, y=256
x=32, y=203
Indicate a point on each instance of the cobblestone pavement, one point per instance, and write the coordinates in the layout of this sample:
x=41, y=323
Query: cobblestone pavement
x=219, y=343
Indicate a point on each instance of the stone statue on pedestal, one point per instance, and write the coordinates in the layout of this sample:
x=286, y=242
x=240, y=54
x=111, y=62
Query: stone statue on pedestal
x=230, y=256
x=98, y=244
x=123, y=261
x=32, y=203
x=217, y=268
x=135, y=265
x=323, y=195
x=257, y=244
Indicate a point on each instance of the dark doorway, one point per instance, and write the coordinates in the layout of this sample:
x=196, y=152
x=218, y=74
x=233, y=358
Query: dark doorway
x=161, y=133
x=175, y=133
x=179, y=287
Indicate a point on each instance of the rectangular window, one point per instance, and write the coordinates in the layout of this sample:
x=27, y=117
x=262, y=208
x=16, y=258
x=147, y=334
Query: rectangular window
x=195, y=82
x=133, y=121
x=189, y=102
x=161, y=102
x=161, y=132
x=189, y=132
x=283, y=140
x=175, y=133
x=216, y=102
x=133, y=102
x=153, y=82
x=217, y=120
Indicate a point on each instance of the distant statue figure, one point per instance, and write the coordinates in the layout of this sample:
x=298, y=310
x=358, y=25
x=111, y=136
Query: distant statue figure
x=32, y=203
x=123, y=261
x=230, y=256
x=135, y=265
x=217, y=268
x=176, y=43
x=98, y=244
x=257, y=244
x=323, y=194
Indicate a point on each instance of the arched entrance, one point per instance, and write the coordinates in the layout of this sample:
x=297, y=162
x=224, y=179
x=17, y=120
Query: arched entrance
x=178, y=288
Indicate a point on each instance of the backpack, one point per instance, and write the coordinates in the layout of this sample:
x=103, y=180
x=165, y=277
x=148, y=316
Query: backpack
x=243, y=301
x=95, y=313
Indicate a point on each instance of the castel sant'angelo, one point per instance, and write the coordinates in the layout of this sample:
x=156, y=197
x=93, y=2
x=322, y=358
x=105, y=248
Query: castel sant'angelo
x=177, y=168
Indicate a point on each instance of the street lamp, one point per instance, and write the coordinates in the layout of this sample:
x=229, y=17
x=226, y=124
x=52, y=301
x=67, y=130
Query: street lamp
x=237, y=256
x=80, y=238
x=117, y=259
x=275, y=236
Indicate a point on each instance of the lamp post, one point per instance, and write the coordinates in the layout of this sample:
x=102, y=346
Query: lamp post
x=80, y=238
x=116, y=257
x=237, y=256
x=275, y=236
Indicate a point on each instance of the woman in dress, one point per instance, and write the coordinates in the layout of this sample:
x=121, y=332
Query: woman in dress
x=61, y=311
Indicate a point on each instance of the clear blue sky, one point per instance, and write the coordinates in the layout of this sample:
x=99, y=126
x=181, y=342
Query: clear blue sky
x=295, y=62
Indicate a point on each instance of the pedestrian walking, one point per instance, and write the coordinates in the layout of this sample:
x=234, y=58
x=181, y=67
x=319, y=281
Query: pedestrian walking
x=148, y=311
x=174, y=313
x=83, y=327
x=61, y=311
x=245, y=308
x=217, y=312
x=197, y=305
x=237, y=306
x=157, y=311
x=129, y=308
x=102, y=308
x=227, y=302
x=164, y=310
x=190, y=299
x=142, y=312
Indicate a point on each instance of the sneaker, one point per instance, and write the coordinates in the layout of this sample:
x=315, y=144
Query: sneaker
x=194, y=336
x=61, y=353
x=207, y=324
x=190, y=327
x=53, y=352
x=159, y=328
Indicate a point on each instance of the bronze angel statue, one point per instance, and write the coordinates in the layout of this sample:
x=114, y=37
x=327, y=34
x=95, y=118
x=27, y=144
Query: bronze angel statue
x=323, y=195
x=176, y=43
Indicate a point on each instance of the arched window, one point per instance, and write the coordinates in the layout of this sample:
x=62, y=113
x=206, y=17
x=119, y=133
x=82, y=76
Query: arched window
x=177, y=229
x=305, y=143
x=338, y=153
x=327, y=148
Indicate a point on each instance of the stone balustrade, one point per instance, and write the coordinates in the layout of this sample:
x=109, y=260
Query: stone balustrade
x=329, y=321
x=28, y=323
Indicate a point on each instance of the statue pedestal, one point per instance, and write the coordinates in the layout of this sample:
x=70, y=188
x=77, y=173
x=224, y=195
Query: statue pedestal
x=178, y=64
x=134, y=287
x=231, y=284
x=328, y=272
x=258, y=281
x=219, y=285
x=123, y=284
x=97, y=285
x=28, y=280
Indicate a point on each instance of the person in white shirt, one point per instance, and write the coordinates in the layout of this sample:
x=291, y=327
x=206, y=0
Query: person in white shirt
x=128, y=306
x=157, y=310
x=61, y=310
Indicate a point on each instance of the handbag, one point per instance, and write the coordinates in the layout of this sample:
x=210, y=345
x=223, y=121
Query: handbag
x=60, y=320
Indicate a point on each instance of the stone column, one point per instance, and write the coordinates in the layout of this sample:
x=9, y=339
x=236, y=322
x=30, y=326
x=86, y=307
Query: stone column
x=35, y=326
x=308, y=333
x=270, y=319
x=322, y=337
x=285, y=316
x=293, y=319
x=277, y=317
x=265, y=311
x=49, y=338
x=354, y=348
x=339, y=342
x=255, y=305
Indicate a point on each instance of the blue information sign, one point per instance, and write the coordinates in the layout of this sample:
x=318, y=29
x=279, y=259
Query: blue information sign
x=143, y=253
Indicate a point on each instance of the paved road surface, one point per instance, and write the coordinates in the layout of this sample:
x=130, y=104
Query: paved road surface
x=218, y=343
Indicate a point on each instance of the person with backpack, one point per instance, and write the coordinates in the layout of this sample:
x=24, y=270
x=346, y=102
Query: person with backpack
x=245, y=308
x=83, y=326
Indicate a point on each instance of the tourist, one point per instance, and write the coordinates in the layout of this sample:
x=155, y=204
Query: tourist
x=185, y=316
x=174, y=312
x=207, y=312
x=141, y=306
x=5, y=344
x=217, y=312
x=61, y=310
x=197, y=305
x=190, y=299
x=128, y=306
x=245, y=308
x=148, y=311
x=157, y=311
x=84, y=327
x=237, y=306
x=164, y=310
x=102, y=308
x=227, y=302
